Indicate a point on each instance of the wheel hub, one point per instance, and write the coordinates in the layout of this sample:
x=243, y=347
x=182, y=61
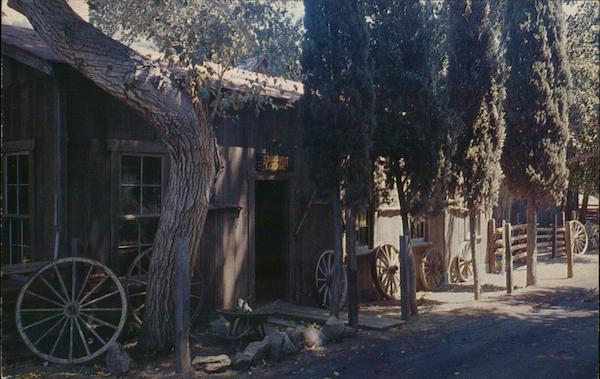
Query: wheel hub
x=71, y=310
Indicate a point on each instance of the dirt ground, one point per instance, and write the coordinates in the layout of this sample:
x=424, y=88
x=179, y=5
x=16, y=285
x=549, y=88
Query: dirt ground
x=550, y=331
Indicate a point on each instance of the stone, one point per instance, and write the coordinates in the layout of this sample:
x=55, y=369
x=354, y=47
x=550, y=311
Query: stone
x=213, y=363
x=296, y=335
x=241, y=361
x=280, y=344
x=257, y=350
x=314, y=338
x=117, y=359
x=334, y=329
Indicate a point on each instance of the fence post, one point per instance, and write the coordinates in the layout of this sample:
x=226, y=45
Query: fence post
x=554, y=236
x=569, y=249
x=182, y=309
x=491, y=246
x=508, y=258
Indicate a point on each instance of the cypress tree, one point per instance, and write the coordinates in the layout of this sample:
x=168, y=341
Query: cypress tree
x=534, y=159
x=337, y=109
x=406, y=114
x=475, y=101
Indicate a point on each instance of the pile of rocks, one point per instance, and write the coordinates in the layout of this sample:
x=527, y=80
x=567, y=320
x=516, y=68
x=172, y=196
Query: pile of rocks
x=277, y=345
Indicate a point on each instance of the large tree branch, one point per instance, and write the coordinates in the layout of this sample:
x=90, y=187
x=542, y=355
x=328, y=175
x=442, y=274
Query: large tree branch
x=150, y=89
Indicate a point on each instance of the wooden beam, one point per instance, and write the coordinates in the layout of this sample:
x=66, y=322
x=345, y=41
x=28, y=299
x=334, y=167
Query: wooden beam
x=28, y=59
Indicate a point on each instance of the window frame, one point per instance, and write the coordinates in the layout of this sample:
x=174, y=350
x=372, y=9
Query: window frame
x=118, y=149
x=19, y=148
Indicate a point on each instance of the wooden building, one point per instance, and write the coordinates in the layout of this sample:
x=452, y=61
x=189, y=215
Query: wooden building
x=83, y=174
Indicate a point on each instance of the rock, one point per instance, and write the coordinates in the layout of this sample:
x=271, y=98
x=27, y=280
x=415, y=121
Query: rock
x=334, y=329
x=213, y=363
x=220, y=326
x=117, y=359
x=296, y=335
x=280, y=344
x=314, y=338
x=241, y=361
x=350, y=332
x=257, y=350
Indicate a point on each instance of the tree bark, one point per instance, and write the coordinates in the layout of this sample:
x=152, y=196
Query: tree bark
x=474, y=261
x=351, y=267
x=163, y=99
x=409, y=266
x=338, y=259
x=531, y=242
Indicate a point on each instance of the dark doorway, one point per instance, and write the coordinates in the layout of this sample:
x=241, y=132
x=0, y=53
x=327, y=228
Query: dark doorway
x=270, y=240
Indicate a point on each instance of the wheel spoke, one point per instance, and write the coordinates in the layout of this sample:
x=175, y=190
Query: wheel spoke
x=62, y=329
x=91, y=329
x=85, y=345
x=62, y=283
x=49, y=331
x=42, y=321
x=71, y=341
x=94, y=289
x=54, y=291
x=101, y=298
x=98, y=320
x=73, y=274
x=87, y=277
x=42, y=310
x=101, y=309
x=43, y=298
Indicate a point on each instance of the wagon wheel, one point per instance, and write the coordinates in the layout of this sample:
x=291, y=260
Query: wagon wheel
x=324, y=279
x=70, y=310
x=432, y=270
x=464, y=265
x=137, y=283
x=454, y=273
x=579, y=238
x=385, y=269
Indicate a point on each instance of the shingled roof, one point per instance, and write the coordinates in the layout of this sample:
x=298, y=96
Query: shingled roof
x=24, y=45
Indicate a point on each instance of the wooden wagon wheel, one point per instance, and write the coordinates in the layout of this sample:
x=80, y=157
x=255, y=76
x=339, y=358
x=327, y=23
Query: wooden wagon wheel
x=70, y=310
x=454, y=271
x=137, y=283
x=432, y=270
x=385, y=269
x=324, y=279
x=579, y=238
x=462, y=264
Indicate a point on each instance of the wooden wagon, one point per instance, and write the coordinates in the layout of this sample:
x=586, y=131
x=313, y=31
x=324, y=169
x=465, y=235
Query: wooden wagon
x=70, y=310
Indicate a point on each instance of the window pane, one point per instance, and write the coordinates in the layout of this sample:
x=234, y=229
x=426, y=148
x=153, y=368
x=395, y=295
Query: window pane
x=131, y=168
x=11, y=199
x=151, y=200
x=152, y=170
x=128, y=233
x=23, y=200
x=24, y=169
x=11, y=169
x=130, y=200
x=148, y=229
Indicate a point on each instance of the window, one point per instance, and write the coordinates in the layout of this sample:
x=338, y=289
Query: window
x=362, y=228
x=140, y=195
x=16, y=239
x=418, y=230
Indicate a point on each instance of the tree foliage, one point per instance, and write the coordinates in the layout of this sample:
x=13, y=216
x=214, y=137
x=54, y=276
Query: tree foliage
x=405, y=66
x=583, y=41
x=475, y=94
x=224, y=32
x=534, y=158
x=338, y=98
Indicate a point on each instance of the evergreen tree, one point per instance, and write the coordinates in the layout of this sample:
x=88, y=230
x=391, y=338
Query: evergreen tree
x=402, y=35
x=337, y=112
x=475, y=99
x=534, y=159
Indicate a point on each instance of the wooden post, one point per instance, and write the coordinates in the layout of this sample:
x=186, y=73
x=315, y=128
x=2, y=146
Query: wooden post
x=563, y=218
x=412, y=277
x=491, y=245
x=569, y=249
x=531, y=220
x=351, y=267
x=182, y=308
x=404, y=279
x=554, y=236
x=508, y=261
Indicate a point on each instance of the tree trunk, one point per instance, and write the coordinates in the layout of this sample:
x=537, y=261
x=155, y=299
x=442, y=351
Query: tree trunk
x=351, y=267
x=409, y=261
x=474, y=262
x=338, y=259
x=584, y=205
x=531, y=242
x=162, y=98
